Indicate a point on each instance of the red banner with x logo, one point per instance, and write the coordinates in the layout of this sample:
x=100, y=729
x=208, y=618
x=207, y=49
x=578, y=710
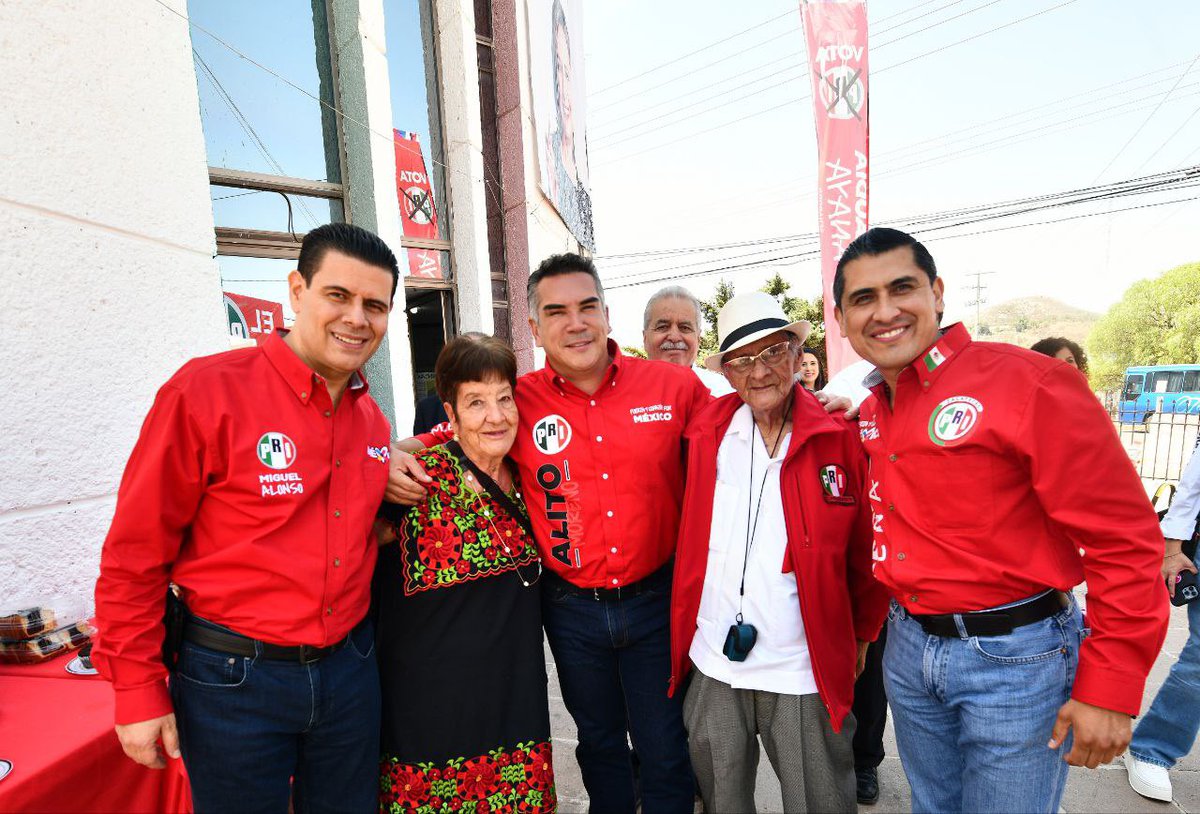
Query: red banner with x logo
x=836, y=31
x=418, y=218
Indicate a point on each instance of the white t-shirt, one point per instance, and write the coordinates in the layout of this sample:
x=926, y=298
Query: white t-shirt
x=779, y=661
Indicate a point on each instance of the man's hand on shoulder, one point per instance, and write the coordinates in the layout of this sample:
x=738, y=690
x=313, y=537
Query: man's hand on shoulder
x=1100, y=734
x=837, y=404
x=141, y=740
x=407, y=481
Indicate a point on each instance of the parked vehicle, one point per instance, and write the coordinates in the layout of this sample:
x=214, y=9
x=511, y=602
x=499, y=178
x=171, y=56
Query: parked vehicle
x=1153, y=389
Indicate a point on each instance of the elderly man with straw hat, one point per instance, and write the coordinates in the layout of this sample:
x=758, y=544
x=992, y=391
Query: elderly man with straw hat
x=774, y=602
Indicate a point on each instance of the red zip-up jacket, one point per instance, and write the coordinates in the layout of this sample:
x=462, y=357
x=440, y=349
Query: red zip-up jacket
x=829, y=543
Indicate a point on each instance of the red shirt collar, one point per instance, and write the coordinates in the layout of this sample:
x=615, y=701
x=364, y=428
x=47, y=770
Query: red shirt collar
x=302, y=379
x=610, y=375
x=929, y=364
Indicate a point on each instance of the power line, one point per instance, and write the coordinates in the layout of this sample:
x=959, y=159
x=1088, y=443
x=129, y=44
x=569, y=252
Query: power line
x=702, y=49
x=935, y=25
x=807, y=96
x=1146, y=121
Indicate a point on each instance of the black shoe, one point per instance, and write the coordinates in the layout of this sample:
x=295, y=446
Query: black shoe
x=867, y=782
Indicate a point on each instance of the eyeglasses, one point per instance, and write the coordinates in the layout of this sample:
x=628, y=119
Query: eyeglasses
x=773, y=356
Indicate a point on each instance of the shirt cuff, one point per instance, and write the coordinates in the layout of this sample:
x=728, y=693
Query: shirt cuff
x=1180, y=528
x=136, y=704
x=1108, y=689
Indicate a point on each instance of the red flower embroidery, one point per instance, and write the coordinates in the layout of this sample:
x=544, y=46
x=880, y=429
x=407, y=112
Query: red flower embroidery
x=462, y=567
x=410, y=787
x=490, y=553
x=540, y=767
x=439, y=546
x=428, y=577
x=477, y=778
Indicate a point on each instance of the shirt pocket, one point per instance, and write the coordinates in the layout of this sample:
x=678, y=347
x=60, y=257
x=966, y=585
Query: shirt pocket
x=953, y=492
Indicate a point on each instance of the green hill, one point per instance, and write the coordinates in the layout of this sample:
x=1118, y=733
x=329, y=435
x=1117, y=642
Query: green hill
x=1026, y=320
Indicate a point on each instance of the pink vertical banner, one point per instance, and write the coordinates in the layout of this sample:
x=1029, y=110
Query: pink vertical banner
x=836, y=31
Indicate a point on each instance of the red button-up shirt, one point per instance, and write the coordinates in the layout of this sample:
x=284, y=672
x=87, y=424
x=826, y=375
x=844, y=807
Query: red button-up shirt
x=996, y=475
x=603, y=474
x=250, y=491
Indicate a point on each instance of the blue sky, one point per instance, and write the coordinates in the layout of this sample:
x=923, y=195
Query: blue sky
x=1030, y=97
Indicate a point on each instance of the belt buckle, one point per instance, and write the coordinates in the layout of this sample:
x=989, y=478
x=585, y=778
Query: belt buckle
x=309, y=654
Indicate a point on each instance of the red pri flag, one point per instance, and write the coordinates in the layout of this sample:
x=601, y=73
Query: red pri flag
x=252, y=318
x=417, y=215
x=836, y=31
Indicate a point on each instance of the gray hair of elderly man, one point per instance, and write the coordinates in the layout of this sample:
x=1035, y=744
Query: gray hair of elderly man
x=672, y=292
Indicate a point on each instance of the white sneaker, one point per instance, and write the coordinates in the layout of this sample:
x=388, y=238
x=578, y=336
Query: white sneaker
x=1148, y=779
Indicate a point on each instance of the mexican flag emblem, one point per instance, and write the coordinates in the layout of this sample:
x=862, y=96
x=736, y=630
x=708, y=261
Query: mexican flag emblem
x=934, y=359
x=833, y=480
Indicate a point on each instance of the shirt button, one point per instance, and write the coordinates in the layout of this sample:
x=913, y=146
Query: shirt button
x=900, y=556
x=593, y=402
x=615, y=580
x=338, y=462
x=604, y=476
x=912, y=598
x=925, y=385
x=303, y=395
x=337, y=513
x=337, y=562
x=891, y=508
x=892, y=457
x=329, y=611
x=613, y=549
x=599, y=438
x=328, y=414
x=610, y=513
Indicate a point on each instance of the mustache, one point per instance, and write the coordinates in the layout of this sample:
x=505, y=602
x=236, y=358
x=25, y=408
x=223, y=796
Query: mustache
x=667, y=344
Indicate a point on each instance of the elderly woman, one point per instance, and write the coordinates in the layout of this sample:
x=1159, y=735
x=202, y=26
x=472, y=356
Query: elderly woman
x=466, y=723
x=773, y=600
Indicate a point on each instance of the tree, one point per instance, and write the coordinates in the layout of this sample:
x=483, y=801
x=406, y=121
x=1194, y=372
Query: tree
x=709, y=310
x=1157, y=322
x=796, y=308
x=630, y=350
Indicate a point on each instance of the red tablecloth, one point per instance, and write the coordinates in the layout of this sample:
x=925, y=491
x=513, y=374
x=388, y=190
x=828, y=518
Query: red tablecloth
x=59, y=737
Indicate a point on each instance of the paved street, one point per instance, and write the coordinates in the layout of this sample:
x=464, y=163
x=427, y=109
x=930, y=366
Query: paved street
x=1102, y=790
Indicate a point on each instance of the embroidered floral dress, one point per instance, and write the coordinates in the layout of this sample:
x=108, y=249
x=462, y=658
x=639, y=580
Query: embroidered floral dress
x=466, y=722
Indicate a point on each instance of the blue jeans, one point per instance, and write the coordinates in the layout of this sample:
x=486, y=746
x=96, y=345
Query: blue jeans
x=247, y=726
x=1169, y=728
x=613, y=660
x=973, y=714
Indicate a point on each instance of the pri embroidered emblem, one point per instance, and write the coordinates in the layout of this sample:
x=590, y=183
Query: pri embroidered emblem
x=551, y=434
x=276, y=450
x=382, y=454
x=833, y=480
x=954, y=420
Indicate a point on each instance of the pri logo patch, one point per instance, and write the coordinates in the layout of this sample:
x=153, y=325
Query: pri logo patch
x=954, y=420
x=276, y=450
x=552, y=434
x=833, y=480
x=381, y=454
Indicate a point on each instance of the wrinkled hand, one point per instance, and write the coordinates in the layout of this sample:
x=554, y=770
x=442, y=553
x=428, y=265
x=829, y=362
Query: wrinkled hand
x=140, y=740
x=861, y=664
x=1172, y=566
x=837, y=404
x=407, y=481
x=1100, y=734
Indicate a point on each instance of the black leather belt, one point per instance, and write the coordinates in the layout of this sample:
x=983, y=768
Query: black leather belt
x=629, y=591
x=996, y=622
x=237, y=645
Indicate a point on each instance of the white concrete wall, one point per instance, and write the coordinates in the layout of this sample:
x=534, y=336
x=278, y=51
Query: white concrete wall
x=463, y=132
x=108, y=271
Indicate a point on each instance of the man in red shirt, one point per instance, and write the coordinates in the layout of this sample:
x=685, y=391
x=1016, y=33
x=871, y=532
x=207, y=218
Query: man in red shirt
x=253, y=488
x=997, y=485
x=599, y=449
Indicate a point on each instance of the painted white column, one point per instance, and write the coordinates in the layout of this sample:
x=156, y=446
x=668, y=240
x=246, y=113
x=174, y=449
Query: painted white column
x=461, y=124
x=365, y=95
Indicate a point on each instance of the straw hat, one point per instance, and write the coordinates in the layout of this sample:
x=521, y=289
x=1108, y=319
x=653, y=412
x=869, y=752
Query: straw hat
x=747, y=318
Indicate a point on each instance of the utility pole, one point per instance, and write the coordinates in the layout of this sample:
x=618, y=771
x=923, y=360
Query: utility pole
x=980, y=295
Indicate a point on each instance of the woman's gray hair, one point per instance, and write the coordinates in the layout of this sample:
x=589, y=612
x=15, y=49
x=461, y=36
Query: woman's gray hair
x=673, y=292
